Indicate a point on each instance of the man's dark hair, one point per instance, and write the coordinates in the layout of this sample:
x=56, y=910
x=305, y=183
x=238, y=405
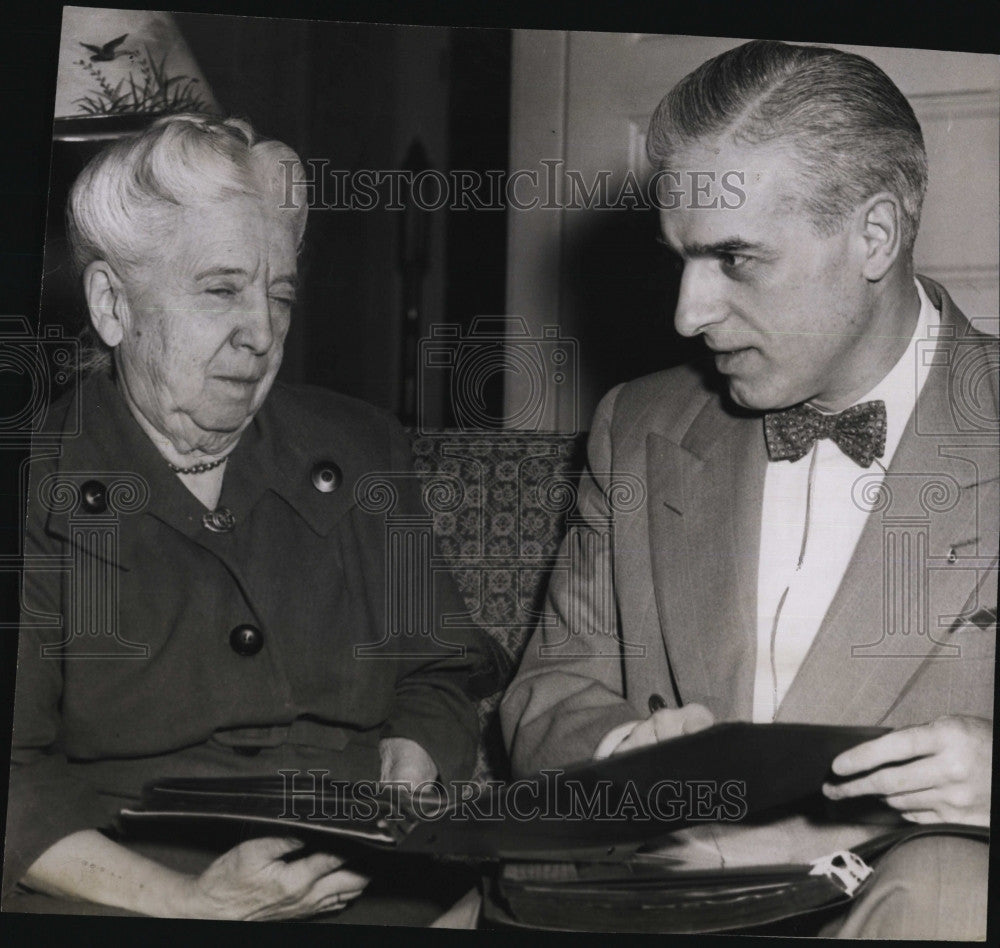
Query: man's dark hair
x=852, y=129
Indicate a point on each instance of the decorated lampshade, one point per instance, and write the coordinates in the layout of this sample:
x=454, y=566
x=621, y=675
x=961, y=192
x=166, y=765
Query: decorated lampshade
x=119, y=69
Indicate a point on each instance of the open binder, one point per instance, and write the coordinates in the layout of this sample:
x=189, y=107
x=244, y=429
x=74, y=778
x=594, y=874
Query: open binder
x=564, y=849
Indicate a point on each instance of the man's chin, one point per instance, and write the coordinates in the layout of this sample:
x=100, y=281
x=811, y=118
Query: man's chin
x=757, y=398
x=745, y=396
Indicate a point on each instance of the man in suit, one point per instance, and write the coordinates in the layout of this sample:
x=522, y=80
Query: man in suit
x=817, y=537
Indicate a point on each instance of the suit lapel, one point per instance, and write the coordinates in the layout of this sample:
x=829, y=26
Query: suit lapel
x=910, y=575
x=705, y=496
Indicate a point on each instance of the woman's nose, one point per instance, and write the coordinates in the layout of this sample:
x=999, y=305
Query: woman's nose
x=255, y=330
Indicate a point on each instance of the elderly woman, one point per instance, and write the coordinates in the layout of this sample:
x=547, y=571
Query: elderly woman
x=243, y=575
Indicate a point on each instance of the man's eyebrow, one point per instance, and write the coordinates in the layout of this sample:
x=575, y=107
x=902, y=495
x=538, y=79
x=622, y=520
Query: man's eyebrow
x=720, y=247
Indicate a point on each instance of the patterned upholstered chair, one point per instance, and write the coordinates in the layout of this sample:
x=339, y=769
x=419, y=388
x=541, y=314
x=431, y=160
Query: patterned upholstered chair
x=498, y=505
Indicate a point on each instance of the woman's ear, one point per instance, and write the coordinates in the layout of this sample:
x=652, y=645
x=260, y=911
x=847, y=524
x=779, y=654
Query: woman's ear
x=106, y=301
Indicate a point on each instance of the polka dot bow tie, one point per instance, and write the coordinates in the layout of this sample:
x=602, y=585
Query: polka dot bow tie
x=859, y=431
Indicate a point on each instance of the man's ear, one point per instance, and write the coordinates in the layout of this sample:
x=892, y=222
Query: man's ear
x=106, y=300
x=880, y=218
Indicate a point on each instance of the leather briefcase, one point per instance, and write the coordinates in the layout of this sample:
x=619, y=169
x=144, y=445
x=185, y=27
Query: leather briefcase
x=638, y=896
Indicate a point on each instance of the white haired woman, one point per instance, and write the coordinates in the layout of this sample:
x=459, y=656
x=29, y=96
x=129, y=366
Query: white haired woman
x=244, y=581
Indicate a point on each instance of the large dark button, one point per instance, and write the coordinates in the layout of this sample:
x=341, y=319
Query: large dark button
x=326, y=477
x=246, y=640
x=95, y=497
x=221, y=520
x=656, y=703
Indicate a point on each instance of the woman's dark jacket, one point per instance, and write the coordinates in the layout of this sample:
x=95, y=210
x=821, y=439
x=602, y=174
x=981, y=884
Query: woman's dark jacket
x=151, y=646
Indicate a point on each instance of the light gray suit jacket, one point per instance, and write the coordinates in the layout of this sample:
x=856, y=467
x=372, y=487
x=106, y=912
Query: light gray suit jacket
x=661, y=597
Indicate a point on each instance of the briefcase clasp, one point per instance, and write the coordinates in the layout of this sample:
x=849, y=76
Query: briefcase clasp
x=844, y=868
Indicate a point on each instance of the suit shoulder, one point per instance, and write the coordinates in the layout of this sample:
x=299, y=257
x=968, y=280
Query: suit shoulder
x=681, y=381
x=661, y=401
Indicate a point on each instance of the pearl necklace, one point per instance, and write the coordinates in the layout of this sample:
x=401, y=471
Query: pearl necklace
x=198, y=468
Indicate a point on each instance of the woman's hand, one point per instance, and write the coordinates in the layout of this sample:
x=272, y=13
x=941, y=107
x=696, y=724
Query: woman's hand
x=405, y=761
x=253, y=882
x=250, y=881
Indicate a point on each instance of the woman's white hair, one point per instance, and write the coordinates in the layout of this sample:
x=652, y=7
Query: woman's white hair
x=123, y=198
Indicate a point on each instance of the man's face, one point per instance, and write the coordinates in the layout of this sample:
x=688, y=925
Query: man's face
x=208, y=313
x=783, y=308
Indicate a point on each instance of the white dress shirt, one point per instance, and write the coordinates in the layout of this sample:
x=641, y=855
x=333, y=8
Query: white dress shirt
x=810, y=525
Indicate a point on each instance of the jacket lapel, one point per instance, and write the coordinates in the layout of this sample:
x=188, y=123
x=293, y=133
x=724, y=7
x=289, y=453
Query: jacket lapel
x=915, y=566
x=272, y=454
x=705, y=495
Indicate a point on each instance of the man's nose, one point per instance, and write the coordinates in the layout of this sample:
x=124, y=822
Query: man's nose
x=700, y=302
x=255, y=330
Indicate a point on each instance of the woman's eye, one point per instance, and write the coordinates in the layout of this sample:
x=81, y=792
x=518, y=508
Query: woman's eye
x=224, y=292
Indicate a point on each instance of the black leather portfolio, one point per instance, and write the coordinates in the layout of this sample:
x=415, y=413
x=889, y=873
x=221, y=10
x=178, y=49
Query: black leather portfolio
x=603, y=809
x=572, y=849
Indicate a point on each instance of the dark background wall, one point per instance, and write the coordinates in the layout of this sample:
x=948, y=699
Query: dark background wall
x=357, y=96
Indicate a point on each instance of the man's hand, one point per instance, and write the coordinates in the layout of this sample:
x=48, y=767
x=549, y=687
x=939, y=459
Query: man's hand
x=405, y=761
x=667, y=723
x=932, y=773
x=253, y=882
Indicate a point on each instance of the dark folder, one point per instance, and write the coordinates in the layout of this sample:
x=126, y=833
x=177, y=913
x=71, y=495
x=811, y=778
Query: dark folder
x=574, y=849
x=602, y=809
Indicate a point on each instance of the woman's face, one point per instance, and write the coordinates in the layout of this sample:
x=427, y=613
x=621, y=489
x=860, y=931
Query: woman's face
x=207, y=314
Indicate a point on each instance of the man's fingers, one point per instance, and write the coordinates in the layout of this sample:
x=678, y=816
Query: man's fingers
x=922, y=774
x=672, y=722
x=696, y=718
x=921, y=816
x=896, y=746
x=926, y=800
x=641, y=735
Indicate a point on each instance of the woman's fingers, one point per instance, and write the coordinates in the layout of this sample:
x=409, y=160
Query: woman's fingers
x=336, y=888
x=253, y=881
x=336, y=902
x=329, y=891
x=319, y=864
x=264, y=849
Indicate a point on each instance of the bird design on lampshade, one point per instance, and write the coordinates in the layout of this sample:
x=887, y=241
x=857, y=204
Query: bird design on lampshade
x=120, y=66
x=106, y=52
